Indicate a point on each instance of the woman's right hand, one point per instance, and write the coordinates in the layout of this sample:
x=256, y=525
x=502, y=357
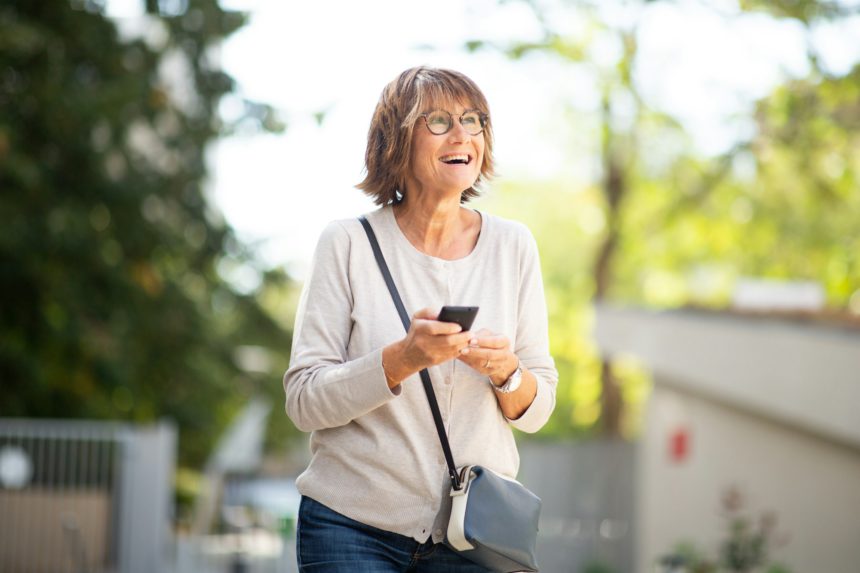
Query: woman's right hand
x=428, y=342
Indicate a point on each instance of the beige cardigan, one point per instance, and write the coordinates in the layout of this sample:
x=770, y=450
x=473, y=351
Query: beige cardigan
x=376, y=456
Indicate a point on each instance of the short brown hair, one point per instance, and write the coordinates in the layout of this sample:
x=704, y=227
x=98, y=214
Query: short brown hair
x=389, y=139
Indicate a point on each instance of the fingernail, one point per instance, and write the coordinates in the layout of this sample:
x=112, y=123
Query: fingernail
x=464, y=351
x=473, y=341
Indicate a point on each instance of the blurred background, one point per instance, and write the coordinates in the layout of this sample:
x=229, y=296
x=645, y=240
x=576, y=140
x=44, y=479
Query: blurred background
x=690, y=170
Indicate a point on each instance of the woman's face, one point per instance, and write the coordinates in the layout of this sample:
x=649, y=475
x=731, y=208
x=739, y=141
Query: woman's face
x=446, y=164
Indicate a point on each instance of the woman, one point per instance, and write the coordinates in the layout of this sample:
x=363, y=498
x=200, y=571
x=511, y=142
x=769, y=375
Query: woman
x=375, y=494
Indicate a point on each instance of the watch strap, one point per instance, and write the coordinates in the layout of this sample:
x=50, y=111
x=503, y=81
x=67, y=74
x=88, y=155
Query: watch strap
x=513, y=382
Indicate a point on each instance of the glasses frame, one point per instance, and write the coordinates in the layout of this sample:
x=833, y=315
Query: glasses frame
x=481, y=115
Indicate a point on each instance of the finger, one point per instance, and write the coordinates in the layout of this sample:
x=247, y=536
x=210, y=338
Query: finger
x=477, y=358
x=425, y=322
x=489, y=361
x=436, y=327
x=495, y=342
x=474, y=358
x=467, y=360
x=459, y=340
x=426, y=313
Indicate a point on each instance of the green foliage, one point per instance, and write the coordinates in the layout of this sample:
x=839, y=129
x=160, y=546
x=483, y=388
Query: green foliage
x=782, y=205
x=803, y=10
x=110, y=257
x=597, y=567
x=568, y=225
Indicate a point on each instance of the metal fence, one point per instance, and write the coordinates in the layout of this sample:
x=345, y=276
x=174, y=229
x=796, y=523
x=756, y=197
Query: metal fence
x=80, y=497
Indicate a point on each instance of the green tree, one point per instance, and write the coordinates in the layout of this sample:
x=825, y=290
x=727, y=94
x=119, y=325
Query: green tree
x=780, y=204
x=111, y=259
x=617, y=143
x=677, y=228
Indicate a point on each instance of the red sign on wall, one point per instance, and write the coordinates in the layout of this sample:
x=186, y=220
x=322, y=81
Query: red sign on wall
x=679, y=444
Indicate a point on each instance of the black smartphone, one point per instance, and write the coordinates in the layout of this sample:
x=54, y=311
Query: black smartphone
x=462, y=315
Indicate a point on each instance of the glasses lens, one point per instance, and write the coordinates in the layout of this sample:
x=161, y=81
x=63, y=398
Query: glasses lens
x=439, y=122
x=473, y=122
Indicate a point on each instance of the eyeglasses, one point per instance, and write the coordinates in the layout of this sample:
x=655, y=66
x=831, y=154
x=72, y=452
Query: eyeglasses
x=440, y=122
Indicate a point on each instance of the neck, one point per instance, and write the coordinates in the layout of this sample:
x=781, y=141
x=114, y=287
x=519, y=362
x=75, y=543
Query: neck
x=435, y=227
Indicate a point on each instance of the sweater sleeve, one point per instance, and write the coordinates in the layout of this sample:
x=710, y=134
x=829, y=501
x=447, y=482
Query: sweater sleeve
x=532, y=338
x=324, y=389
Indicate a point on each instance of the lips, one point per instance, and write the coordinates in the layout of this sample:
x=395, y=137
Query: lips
x=456, y=159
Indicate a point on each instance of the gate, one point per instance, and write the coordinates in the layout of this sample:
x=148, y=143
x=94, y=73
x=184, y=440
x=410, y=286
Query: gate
x=85, y=497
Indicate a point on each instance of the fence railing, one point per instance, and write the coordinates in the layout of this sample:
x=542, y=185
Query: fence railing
x=85, y=497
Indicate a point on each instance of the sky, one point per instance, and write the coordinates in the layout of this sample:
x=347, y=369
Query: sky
x=279, y=191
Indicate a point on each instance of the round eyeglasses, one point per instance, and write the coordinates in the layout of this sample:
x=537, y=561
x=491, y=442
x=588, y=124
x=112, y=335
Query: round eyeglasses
x=440, y=122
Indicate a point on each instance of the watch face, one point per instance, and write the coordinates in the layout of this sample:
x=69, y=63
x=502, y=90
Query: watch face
x=512, y=383
x=515, y=380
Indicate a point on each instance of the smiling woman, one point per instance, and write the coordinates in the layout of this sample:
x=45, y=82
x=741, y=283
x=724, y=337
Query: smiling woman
x=430, y=95
x=376, y=489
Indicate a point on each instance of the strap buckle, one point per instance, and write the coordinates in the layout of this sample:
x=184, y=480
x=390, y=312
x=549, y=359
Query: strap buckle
x=464, y=479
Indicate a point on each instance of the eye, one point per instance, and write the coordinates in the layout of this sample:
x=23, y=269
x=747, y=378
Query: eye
x=471, y=118
x=438, y=118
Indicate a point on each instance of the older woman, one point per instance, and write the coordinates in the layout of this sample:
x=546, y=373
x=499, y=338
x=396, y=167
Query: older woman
x=375, y=494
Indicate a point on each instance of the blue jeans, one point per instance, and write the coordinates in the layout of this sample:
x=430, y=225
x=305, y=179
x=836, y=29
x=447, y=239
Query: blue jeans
x=328, y=542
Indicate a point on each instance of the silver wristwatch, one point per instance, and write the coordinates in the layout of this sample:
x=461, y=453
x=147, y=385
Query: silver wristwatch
x=512, y=383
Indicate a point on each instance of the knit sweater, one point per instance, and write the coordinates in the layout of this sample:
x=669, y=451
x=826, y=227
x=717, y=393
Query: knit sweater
x=375, y=454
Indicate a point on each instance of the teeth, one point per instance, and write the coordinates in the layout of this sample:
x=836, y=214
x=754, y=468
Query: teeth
x=452, y=158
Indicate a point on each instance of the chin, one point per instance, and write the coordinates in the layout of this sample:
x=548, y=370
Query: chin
x=463, y=183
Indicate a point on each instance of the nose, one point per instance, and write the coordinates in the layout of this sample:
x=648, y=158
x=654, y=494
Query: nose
x=458, y=133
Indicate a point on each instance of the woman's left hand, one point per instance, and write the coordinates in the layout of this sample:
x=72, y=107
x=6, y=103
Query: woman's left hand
x=490, y=354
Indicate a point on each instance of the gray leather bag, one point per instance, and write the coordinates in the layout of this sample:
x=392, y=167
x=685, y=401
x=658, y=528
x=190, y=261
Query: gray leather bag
x=494, y=521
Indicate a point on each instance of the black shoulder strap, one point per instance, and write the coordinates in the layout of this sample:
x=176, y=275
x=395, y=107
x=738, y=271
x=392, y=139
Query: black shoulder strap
x=425, y=376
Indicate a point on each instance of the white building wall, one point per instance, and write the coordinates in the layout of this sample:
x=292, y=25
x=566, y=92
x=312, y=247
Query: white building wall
x=813, y=484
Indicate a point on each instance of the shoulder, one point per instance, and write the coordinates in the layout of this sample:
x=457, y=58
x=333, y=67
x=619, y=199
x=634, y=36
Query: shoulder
x=341, y=234
x=509, y=232
x=343, y=231
x=334, y=244
x=332, y=239
x=337, y=231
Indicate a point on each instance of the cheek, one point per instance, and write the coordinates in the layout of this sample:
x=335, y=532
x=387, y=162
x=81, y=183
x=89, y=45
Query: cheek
x=425, y=155
x=480, y=153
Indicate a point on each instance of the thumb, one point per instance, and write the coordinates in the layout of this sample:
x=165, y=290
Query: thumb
x=426, y=314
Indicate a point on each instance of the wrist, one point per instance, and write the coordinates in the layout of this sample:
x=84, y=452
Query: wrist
x=513, y=382
x=393, y=364
x=502, y=375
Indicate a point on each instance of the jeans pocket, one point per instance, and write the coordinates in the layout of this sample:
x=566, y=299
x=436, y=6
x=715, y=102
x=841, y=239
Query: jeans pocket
x=329, y=541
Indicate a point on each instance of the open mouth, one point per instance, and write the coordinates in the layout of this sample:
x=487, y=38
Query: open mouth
x=456, y=159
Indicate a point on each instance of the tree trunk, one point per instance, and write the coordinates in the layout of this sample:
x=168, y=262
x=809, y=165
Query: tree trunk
x=614, y=189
